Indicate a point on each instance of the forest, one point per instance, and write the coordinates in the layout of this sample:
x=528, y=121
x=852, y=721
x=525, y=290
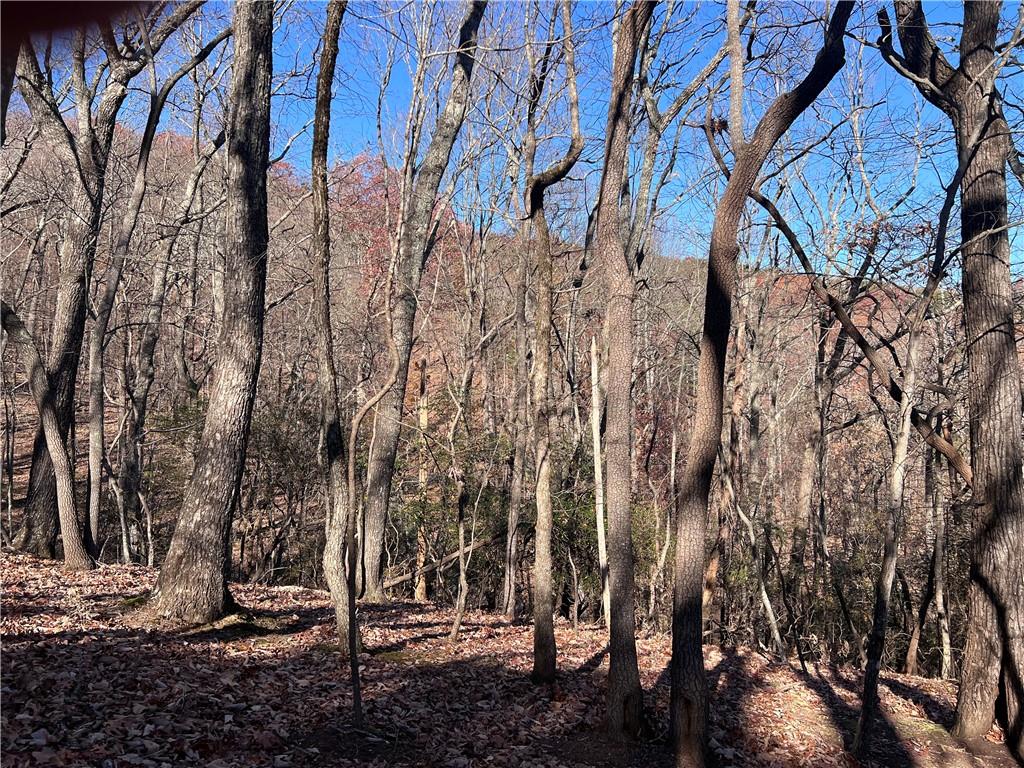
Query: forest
x=528, y=383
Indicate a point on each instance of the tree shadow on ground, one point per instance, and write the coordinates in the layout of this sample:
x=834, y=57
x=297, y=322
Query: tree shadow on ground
x=274, y=690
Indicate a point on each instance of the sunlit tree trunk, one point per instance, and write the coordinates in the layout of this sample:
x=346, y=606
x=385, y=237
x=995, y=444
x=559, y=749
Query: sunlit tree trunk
x=192, y=586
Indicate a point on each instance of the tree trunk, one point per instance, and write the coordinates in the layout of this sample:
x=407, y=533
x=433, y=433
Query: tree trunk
x=333, y=461
x=689, y=708
x=625, y=698
x=893, y=527
x=105, y=300
x=519, y=437
x=192, y=586
x=595, y=433
x=994, y=649
x=420, y=594
x=78, y=248
x=413, y=251
x=76, y=556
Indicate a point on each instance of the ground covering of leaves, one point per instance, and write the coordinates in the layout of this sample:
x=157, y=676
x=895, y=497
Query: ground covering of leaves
x=87, y=683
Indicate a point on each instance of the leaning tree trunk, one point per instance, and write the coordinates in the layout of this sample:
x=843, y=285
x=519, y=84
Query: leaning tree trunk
x=76, y=557
x=414, y=249
x=192, y=586
x=689, y=705
x=39, y=534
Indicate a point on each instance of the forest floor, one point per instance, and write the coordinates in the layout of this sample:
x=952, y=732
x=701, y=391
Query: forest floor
x=86, y=683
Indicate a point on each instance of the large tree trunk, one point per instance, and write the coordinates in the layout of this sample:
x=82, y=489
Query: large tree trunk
x=994, y=649
x=413, y=250
x=192, y=586
x=625, y=698
x=689, y=685
x=995, y=630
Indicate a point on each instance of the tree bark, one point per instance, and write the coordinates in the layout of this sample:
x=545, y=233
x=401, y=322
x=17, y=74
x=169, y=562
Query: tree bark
x=76, y=556
x=625, y=698
x=519, y=438
x=192, y=586
x=537, y=235
x=87, y=149
x=595, y=434
x=414, y=249
x=333, y=460
x=994, y=649
x=689, y=708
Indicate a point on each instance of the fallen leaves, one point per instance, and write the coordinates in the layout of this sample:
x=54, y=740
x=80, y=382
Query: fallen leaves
x=85, y=683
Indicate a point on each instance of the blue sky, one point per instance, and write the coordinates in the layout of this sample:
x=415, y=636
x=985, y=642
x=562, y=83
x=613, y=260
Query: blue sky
x=896, y=114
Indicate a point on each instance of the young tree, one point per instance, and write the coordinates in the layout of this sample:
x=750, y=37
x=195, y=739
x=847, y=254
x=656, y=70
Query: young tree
x=104, y=305
x=537, y=237
x=192, y=586
x=421, y=181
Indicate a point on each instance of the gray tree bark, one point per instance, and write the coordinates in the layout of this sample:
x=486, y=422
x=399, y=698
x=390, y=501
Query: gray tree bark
x=414, y=247
x=625, y=698
x=994, y=650
x=192, y=586
x=689, y=706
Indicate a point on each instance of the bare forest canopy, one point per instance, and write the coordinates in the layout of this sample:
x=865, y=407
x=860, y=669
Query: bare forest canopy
x=670, y=351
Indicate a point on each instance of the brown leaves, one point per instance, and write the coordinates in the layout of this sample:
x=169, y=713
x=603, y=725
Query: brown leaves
x=85, y=684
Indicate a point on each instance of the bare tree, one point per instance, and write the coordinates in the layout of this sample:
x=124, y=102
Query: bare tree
x=968, y=95
x=421, y=181
x=76, y=557
x=625, y=699
x=159, y=93
x=689, y=685
x=84, y=152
